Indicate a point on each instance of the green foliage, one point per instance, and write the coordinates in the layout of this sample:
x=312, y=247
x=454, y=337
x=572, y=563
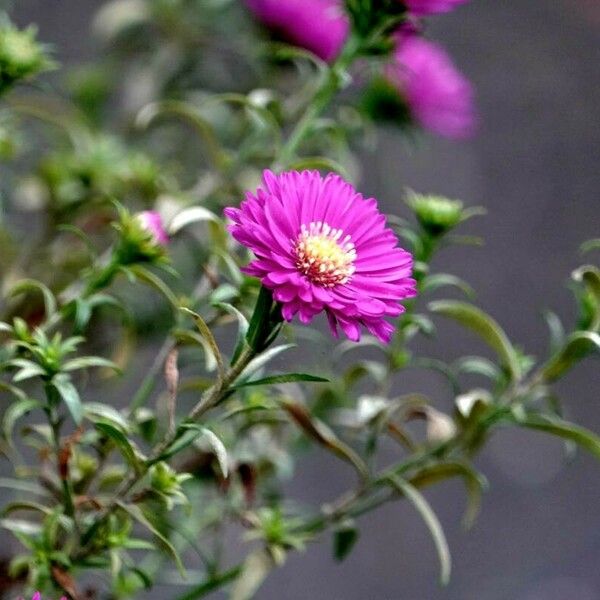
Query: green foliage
x=131, y=483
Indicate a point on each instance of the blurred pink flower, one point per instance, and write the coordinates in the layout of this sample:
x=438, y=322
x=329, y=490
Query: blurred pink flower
x=151, y=221
x=439, y=97
x=320, y=26
x=429, y=7
x=38, y=596
x=321, y=246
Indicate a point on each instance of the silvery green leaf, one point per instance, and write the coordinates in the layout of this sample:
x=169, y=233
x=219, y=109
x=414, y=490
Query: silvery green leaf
x=86, y=362
x=207, y=335
x=14, y=412
x=97, y=411
x=429, y=517
x=27, y=285
x=255, y=569
x=68, y=392
x=579, y=345
x=194, y=214
x=482, y=324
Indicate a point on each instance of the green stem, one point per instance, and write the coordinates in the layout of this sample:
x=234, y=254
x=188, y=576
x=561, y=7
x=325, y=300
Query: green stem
x=209, y=399
x=331, y=82
x=55, y=424
x=213, y=583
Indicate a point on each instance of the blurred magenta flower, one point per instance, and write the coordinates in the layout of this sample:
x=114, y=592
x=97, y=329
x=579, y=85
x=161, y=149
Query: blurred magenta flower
x=321, y=246
x=38, y=596
x=429, y=7
x=439, y=97
x=320, y=26
x=151, y=221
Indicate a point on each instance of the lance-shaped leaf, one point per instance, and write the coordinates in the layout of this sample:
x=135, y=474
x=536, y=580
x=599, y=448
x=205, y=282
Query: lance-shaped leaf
x=194, y=214
x=345, y=537
x=137, y=513
x=287, y=378
x=14, y=412
x=487, y=328
x=475, y=484
x=149, y=278
x=206, y=333
x=99, y=412
x=434, y=282
x=258, y=329
x=322, y=434
x=193, y=432
x=122, y=443
x=262, y=359
x=574, y=433
x=87, y=362
x=578, y=346
x=255, y=569
x=412, y=494
x=27, y=285
x=242, y=327
x=589, y=275
x=68, y=392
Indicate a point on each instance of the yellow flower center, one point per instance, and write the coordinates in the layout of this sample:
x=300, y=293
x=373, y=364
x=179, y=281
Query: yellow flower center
x=324, y=254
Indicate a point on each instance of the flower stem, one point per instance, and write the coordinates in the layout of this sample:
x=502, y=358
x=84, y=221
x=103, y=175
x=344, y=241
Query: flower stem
x=331, y=82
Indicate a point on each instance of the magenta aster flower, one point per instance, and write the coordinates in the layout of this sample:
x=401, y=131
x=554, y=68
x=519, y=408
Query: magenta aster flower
x=321, y=246
x=320, y=26
x=38, y=596
x=151, y=221
x=429, y=7
x=438, y=96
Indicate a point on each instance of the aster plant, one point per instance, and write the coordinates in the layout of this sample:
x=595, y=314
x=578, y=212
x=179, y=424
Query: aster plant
x=178, y=263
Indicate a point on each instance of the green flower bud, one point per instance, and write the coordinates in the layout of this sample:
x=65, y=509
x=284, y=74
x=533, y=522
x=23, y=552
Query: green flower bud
x=21, y=55
x=143, y=238
x=437, y=215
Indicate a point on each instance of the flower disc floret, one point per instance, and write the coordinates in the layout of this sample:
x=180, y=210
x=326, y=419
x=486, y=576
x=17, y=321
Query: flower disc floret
x=324, y=254
x=321, y=247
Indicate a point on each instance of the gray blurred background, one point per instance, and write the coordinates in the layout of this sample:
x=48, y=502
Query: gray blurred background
x=534, y=165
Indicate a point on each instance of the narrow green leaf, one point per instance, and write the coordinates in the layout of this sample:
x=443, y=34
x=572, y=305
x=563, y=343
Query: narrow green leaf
x=68, y=392
x=255, y=569
x=194, y=214
x=474, y=482
x=206, y=333
x=578, y=346
x=242, y=327
x=429, y=517
x=590, y=245
x=21, y=485
x=211, y=584
x=259, y=321
x=121, y=442
x=482, y=324
x=262, y=359
x=287, y=378
x=27, y=285
x=99, y=412
x=29, y=371
x=21, y=526
x=582, y=437
x=137, y=513
x=322, y=434
x=156, y=282
x=216, y=445
x=86, y=362
x=344, y=539
x=434, y=282
x=14, y=412
x=479, y=366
